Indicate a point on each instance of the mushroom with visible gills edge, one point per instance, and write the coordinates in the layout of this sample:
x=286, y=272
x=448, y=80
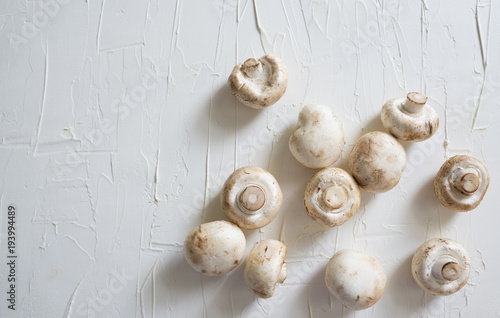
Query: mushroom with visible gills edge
x=410, y=118
x=332, y=197
x=251, y=197
x=265, y=267
x=215, y=248
x=355, y=279
x=377, y=161
x=441, y=266
x=461, y=183
x=318, y=141
x=259, y=83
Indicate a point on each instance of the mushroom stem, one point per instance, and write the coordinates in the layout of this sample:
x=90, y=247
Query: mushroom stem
x=335, y=196
x=252, y=68
x=451, y=271
x=252, y=198
x=414, y=103
x=282, y=276
x=467, y=183
x=446, y=268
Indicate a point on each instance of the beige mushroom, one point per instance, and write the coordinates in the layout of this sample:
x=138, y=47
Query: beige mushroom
x=318, y=141
x=215, y=248
x=355, y=279
x=377, y=161
x=410, y=118
x=461, y=183
x=441, y=266
x=332, y=197
x=251, y=197
x=265, y=267
x=259, y=83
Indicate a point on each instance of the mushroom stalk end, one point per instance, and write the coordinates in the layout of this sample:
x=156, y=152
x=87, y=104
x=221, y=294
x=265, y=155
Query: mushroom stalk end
x=335, y=196
x=451, y=271
x=252, y=68
x=252, y=198
x=414, y=103
x=468, y=183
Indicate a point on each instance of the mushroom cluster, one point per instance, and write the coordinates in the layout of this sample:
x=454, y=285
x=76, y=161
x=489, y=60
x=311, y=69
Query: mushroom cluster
x=251, y=197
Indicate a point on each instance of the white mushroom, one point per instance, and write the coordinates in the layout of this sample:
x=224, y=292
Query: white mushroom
x=215, y=248
x=355, y=279
x=377, y=161
x=461, y=183
x=318, y=141
x=410, y=118
x=441, y=266
x=265, y=267
x=259, y=83
x=332, y=197
x=251, y=197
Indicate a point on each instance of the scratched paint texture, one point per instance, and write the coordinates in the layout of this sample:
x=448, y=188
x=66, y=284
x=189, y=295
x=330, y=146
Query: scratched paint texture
x=118, y=131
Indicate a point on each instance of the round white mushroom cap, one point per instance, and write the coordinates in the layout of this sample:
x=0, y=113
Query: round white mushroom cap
x=332, y=197
x=355, y=279
x=251, y=197
x=410, y=118
x=259, y=83
x=215, y=248
x=319, y=139
x=265, y=267
x=461, y=183
x=441, y=266
x=377, y=161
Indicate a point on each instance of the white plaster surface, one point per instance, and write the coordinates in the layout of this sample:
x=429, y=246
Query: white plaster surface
x=117, y=132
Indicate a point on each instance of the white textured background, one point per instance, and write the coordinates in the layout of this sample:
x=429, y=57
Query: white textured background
x=118, y=131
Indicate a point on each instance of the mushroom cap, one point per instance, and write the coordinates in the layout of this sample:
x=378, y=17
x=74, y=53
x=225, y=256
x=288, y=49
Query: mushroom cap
x=355, y=279
x=377, y=161
x=318, y=141
x=441, y=266
x=461, y=183
x=410, y=118
x=265, y=267
x=215, y=248
x=261, y=83
x=251, y=197
x=332, y=197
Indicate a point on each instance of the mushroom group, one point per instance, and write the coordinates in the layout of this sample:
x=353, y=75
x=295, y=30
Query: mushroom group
x=332, y=197
x=377, y=161
x=251, y=197
x=441, y=266
x=319, y=139
x=259, y=83
x=461, y=183
x=355, y=279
